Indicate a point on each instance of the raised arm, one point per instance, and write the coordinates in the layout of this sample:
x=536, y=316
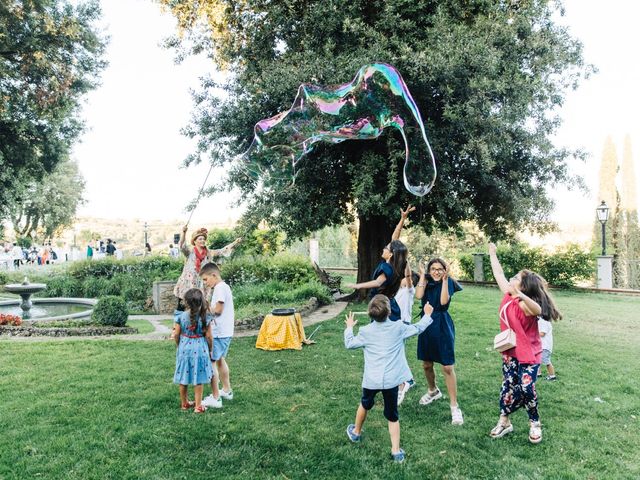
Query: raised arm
x=422, y=282
x=444, y=293
x=350, y=340
x=421, y=326
x=227, y=250
x=498, y=273
x=403, y=216
x=377, y=283
x=184, y=248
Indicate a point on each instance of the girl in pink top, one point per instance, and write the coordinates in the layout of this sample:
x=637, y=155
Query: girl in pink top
x=525, y=298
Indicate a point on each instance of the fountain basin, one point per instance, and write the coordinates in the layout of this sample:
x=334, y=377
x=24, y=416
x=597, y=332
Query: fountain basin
x=51, y=309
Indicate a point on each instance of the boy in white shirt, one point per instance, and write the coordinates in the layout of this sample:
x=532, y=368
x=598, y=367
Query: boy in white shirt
x=546, y=335
x=223, y=313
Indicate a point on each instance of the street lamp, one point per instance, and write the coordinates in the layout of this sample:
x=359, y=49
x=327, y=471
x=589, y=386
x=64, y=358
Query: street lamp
x=603, y=215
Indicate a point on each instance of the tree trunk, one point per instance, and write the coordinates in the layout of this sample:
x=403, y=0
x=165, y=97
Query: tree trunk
x=374, y=233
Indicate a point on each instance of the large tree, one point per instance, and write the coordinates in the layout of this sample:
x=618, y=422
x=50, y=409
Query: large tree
x=49, y=205
x=50, y=56
x=486, y=75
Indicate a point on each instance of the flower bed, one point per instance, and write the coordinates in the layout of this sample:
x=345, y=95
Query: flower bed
x=91, y=331
x=12, y=320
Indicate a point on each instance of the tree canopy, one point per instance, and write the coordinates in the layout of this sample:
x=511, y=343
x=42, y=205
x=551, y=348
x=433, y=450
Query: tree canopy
x=50, y=56
x=49, y=204
x=487, y=77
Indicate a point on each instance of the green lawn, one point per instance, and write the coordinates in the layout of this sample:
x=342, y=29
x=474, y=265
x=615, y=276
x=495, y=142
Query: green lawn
x=108, y=410
x=143, y=326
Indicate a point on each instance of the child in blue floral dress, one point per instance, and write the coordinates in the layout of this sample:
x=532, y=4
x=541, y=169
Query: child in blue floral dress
x=192, y=333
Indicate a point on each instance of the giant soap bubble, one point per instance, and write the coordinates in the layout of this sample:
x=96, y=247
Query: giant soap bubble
x=377, y=98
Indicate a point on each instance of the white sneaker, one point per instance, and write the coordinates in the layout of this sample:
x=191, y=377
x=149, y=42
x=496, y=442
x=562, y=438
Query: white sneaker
x=403, y=391
x=226, y=395
x=211, y=402
x=456, y=416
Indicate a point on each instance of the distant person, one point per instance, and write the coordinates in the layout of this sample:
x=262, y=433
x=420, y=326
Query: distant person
x=173, y=251
x=44, y=256
x=17, y=255
x=118, y=252
x=546, y=334
x=89, y=252
x=33, y=256
x=385, y=365
x=147, y=249
x=196, y=258
x=111, y=248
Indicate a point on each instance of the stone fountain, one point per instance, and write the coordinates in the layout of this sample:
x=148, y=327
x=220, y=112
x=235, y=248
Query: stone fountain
x=25, y=290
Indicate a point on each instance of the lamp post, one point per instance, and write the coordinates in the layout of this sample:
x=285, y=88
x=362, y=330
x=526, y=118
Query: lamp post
x=603, y=215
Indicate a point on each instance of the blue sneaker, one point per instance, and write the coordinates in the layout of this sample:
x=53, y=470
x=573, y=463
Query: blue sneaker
x=398, y=457
x=352, y=434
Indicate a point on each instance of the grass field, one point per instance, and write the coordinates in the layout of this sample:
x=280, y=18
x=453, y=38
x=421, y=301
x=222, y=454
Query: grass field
x=108, y=409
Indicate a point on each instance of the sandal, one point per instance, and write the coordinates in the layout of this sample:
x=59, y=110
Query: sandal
x=535, y=432
x=188, y=405
x=501, y=430
x=429, y=397
x=200, y=409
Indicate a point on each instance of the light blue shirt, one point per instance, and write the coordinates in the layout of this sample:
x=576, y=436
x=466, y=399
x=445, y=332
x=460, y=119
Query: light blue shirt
x=385, y=363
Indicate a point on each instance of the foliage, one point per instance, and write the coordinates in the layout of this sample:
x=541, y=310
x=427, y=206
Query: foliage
x=564, y=268
x=275, y=291
x=283, y=268
x=49, y=204
x=63, y=286
x=219, y=237
x=155, y=266
x=3, y=278
x=50, y=57
x=111, y=310
x=487, y=77
x=12, y=320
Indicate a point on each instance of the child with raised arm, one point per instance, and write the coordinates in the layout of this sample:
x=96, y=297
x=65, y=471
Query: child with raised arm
x=192, y=334
x=385, y=365
x=546, y=334
x=525, y=299
x=221, y=307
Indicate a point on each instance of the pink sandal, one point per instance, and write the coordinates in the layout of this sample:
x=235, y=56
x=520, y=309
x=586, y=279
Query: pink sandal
x=188, y=405
x=200, y=409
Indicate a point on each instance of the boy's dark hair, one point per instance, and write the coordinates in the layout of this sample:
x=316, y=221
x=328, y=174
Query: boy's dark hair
x=415, y=278
x=210, y=269
x=379, y=308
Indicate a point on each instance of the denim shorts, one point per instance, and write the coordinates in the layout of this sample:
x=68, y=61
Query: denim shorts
x=220, y=348
x=546, y=357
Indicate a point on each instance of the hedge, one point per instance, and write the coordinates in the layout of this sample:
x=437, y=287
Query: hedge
x=564, y=268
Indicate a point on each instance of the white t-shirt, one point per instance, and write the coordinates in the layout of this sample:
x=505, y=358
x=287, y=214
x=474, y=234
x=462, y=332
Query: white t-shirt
x=224, y=324
x=404, y=297
x=544, y=326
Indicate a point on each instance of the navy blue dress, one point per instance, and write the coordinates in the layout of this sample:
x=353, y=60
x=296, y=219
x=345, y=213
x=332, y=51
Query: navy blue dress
x=437, y=342
x=387, y=269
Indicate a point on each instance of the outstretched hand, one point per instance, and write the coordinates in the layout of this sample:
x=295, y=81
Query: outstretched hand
x=421, y=269
x=428, y=309
x=405, y=213
x=350, y=320
x=185, y=228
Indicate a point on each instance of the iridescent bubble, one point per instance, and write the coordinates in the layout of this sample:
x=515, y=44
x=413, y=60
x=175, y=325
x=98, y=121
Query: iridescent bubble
x=377, y=98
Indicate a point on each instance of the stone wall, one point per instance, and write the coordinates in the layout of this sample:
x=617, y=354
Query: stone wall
x=164, y=301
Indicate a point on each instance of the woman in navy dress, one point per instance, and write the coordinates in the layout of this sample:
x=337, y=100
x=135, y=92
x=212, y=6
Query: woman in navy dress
x=436, y=344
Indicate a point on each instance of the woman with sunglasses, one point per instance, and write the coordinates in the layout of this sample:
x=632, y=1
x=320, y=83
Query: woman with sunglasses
x=436, y=344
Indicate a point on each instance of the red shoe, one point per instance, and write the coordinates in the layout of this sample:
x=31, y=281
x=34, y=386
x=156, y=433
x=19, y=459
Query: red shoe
x=188, y=405
x=200, y=409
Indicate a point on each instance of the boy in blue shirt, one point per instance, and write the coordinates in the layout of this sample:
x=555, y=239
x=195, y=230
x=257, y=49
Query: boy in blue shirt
x=385, y=365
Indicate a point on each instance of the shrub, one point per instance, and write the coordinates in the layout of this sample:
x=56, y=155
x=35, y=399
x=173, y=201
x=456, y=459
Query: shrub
x=156, y=267
x=3, y=278
x=94, y=287
x=63, y=287
x=564, y=268
x=289, y=269
x=111, y=310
